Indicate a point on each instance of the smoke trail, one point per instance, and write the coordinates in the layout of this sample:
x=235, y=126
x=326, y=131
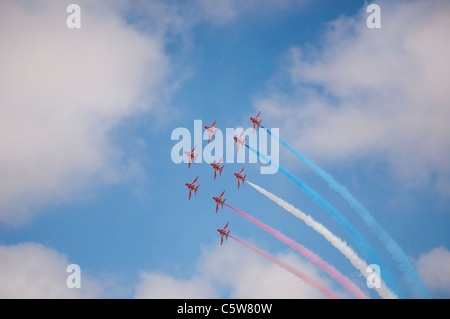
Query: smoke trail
x=355, y=234
x=338, y=243
x=323, y=265
x=395, y=250
x=324, y=290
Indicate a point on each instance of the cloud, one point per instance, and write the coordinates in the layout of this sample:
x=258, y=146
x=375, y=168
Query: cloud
x=30, y=270
x=62, y=91
x=364, y=92
x=161, y=286
x=231, y=271
x=434, y=268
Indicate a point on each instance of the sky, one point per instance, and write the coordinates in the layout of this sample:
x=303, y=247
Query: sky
x=87, y=122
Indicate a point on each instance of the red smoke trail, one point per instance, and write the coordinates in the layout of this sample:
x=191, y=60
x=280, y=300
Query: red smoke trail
x=324, y=290
x=333, y=272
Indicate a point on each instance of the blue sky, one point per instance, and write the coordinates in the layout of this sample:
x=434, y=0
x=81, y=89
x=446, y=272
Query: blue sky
x=88, y=116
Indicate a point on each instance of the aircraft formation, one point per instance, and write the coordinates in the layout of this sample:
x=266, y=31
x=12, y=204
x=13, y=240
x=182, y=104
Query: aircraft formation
x=220, y=201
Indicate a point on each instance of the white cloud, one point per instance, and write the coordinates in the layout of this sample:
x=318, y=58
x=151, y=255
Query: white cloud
x=30, y=270
x=161, y=286
x=61, y=93
x=373, y=92
x=434, y=268
x=232, y=271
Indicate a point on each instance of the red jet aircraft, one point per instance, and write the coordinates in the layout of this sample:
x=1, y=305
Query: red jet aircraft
x=217, y=167
x=211, y=131
x=192, y=187
x=191, y=156
x=240, y=177
x=239, y=141
x=255, y=121
x=219, y=200
x=223, y=232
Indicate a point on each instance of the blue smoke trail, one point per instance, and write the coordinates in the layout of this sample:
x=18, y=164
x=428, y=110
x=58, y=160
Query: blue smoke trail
x=358, y=238
x=396, y=251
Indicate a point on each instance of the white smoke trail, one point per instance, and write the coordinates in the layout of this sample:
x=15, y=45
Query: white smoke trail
x=340, y=245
